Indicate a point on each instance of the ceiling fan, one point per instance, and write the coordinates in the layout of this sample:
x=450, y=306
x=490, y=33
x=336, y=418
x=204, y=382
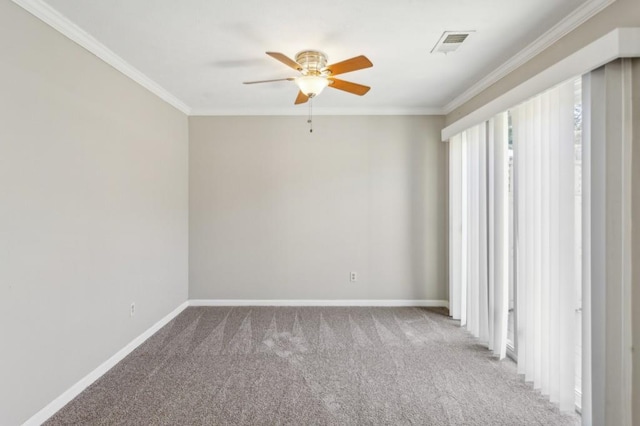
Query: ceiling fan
x=315, y=74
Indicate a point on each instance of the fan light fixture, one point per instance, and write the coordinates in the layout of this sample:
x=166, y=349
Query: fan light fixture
x=311, y=85
x=315, y=75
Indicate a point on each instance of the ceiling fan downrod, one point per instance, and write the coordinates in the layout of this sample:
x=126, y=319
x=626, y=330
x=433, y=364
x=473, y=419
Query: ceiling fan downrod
x=310, y=119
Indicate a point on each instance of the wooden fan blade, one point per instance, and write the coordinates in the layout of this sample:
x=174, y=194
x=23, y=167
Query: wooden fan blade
x=268, y=81
x=353, y=64
x=302, y=98
x=347, y=86
x=285, y=60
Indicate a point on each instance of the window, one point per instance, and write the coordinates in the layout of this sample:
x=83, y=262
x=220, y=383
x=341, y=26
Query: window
x=515, y=229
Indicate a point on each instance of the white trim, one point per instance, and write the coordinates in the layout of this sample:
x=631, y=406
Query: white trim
x=55, y=405
x=62, y=24
x=308, y=302
x=619, y=43
x=566, y=25
x=303, y=110
x=59, y=22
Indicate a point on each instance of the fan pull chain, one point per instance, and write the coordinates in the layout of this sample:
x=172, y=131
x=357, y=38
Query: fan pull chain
x=310, y=119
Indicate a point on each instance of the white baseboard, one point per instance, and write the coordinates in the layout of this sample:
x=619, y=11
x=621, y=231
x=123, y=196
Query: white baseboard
x=307, y=302
x=55, y=405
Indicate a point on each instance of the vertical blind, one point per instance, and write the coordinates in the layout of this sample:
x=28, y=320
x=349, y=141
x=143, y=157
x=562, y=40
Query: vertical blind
x=478, y=179
x=498, y=168
x=543, y=138
x=543, y=142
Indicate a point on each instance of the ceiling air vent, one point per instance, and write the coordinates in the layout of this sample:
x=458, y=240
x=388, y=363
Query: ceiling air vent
x=450, y=41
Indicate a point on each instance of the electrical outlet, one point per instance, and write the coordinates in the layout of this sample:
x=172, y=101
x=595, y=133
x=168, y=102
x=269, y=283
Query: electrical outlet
x=353, y=277
x=132, y=311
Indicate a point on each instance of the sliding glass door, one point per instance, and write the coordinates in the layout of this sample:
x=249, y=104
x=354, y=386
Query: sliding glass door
x=511, y=333
x=578, y=235
x=512, y=336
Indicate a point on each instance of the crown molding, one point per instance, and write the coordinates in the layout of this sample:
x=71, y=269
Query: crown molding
x=576, y=18
x=303, y=111
x=62, y=24
x=618, y=43
x=59, y=22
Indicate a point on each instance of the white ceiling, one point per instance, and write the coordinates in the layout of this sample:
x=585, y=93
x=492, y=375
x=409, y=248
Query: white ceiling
x=200, y=51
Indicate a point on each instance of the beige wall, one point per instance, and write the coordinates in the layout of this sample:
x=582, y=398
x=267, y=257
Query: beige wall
x=622, y=13
x=279, y=213
x=93, y=212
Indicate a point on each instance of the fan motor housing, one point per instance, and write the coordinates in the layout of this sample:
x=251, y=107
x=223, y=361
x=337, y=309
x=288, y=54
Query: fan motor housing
x=312, y=61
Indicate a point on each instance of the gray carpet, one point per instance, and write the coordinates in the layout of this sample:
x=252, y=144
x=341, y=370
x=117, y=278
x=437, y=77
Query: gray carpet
x=311, y=366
